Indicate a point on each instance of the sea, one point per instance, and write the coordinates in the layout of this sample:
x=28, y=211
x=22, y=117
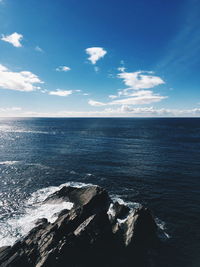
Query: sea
x=152, y=161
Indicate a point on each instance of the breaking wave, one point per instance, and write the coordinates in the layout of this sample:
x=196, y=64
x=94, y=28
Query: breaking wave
x=34, y=209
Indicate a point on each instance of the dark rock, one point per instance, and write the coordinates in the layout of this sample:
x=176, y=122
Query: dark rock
x=61, y=213
x=138, y=229
x=41, y=221
x=4, y=251
x=79, y=196
x=86, y=235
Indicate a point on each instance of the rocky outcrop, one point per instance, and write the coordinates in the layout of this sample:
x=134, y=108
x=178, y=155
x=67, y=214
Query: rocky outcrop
x=95, y=232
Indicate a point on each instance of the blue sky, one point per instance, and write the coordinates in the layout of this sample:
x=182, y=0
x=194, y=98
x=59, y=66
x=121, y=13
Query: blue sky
x=99, y=58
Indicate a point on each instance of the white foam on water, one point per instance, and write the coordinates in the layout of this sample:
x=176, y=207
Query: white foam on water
x=131, y=205
x=134, y=205
x=5, y=128
x=30, y=131
x=8, y=162
x=34, y=209
x=162, y=227
x=41, y=194
x=17, y=227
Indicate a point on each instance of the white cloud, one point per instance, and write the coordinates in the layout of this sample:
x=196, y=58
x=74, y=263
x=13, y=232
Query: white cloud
x=95, y=53
x=112, y=96
x=139, y=93
x=145, y=110
x=39, y=49
x=63, y=68
x=137, y=80
x=20, y=81
x=138, y=98
x=130, y=92
x=10, y=109
x=59, y=92
x=44, y=91
x=135, y=93
x=95, y=103
x=151, y=111
x=13, y=39
x=123, y=111
x=122, y=69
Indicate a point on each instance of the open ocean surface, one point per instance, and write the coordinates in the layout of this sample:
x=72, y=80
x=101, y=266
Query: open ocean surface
x=154, y=161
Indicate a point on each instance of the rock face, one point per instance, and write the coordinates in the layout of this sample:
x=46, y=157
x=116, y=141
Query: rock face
x=95, y=232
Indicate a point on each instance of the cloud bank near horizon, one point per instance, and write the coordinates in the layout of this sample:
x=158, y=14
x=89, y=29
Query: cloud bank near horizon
x=123, y=111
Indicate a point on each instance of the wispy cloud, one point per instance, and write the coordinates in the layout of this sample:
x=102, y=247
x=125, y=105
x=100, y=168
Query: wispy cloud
x=39, y=49
x=63, y=68
x=95, y=53
x=113, y=96
x=60, y=92
x=96, y=103
x=96, y=69
x=20, y=81
x=136, y=93
x=183, y=50
x=138, y=98
x=14, y=39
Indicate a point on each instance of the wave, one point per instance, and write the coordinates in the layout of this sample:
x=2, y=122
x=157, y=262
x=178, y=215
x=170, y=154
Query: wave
x=162, y=229
x=34, y=209
x=8, y=162
x=30, y=131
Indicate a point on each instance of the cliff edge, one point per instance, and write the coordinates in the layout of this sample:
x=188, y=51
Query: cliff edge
x=97, y=231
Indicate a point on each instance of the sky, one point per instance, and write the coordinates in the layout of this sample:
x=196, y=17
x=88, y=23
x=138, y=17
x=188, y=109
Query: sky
x=74, y=58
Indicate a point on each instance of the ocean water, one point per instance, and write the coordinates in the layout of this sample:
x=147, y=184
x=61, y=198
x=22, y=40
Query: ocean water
x=153, y=161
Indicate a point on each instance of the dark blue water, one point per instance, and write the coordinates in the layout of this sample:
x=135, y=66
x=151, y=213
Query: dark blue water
x=152, y=161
